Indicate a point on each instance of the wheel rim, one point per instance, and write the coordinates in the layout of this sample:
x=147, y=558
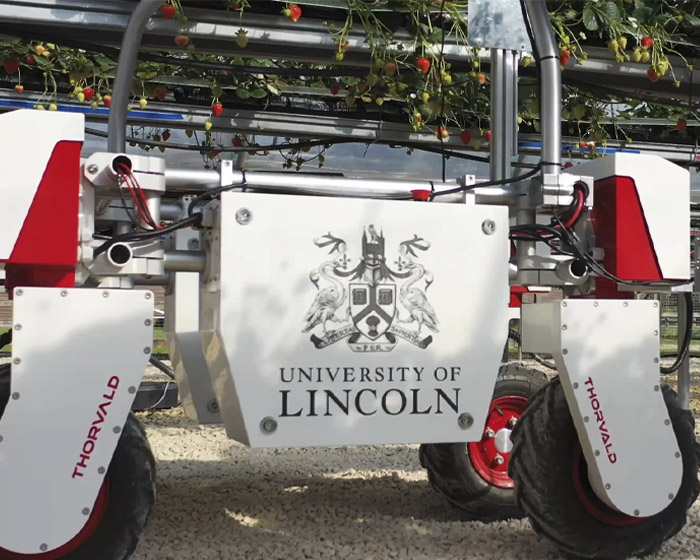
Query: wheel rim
x=594, y=505
x=491, y=455
x=76, y=542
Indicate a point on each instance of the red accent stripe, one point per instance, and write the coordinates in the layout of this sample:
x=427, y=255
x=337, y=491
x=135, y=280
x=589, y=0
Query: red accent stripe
x=46, y=251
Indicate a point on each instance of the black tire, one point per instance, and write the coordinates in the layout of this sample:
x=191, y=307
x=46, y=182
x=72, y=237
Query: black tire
x=128, y=497
x=544, y=468
x=452, y=471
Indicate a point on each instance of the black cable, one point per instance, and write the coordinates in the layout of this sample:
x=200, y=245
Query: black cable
x=494, y=183
x=5, y=339
x=210, y=195
x=684, y=348
x=162, y=367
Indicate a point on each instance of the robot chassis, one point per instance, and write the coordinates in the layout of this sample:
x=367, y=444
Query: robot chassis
x=300, y=313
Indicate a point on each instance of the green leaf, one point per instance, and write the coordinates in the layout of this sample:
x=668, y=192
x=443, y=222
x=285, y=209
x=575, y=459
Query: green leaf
x=258, y=93
x=611, y=10
x=273, y=89
x=243, y=93
x=589, y=19
x=642, y=14
x=692, y=20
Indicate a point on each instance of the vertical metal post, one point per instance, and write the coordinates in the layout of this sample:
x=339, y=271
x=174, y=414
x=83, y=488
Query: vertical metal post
x=126, y=66
x=684, y=369
x=498, y=147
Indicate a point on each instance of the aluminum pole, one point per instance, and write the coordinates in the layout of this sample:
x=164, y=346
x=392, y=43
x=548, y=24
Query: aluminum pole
x=126, y=67
x=684, y=368
x=498, y=114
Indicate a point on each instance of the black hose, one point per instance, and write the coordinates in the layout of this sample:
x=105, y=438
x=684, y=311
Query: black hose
x=684, y=349
x=162, y=367
x=5, y=339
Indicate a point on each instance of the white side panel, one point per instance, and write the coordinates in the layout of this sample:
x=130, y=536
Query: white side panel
x=78, y=358
x=664, y=192
x=355, y=389
x=21, y=169
x=607, y=354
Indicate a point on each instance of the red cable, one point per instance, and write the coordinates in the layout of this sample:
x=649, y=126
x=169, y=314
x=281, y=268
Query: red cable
x=151, y=221
x=133, y=196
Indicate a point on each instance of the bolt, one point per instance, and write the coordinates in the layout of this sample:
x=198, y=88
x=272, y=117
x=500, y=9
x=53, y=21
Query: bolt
x=64, y=293
x=213, y=406
x=268, y=425
x=117, y=429
x=656, y=333
x=92, y=168
x=244, y=216
x=15, y=396
x=636, y=512
x=625, y=304
x=677, y=454
x=193, y=244
x=499, y=460
x=564, y=327
x=512, y=422
x=597, y=453
x=132, y=389
x=147, y=350
x=101, y=470
x=656, y=388
x=148, y=322
x=86, y=511
x=670, y=496
x=17, y=361
x=490, y=433
x=585, y=418
x=564, y=304
x=18, y=327
x=44, y=547
x=607, y=487
x=105, y=294
x=656, y=360
x=564, y=351
x=656, y=304
x=19, y=292
x=465, y=420
x=667, y=422
x=595, y=304
x=575, y=385
x=148, y=295
x=488, y=227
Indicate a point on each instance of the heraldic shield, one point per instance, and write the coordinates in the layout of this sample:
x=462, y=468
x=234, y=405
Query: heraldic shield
x=372, y=308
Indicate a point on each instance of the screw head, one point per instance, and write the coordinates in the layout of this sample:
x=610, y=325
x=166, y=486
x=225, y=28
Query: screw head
x=490, y=433
x=488, y=227
x=512, y=422
x=148, y=322
x=656, y=333
x=595, y=304
x=268, y=425
x=64, y=293
x=132, y=389
x=193, y=244
x=564, y=327
x=575, y=385
x=564, y=350
x=1, y=438
x=19, y=292
x=564, y=304
x=15, y=396
x=607, y=486
x=92, y=168
x=465, y=420
x=117, y=429
x=105, y=294
x=585, y=418
x=656, y=388
x=670, y=496
x=677, y=454
x=656, y=360
x=101, y=470
x=499, y=460
x=667, y=422
x=636, y=512
x=597, y=453
x=213, y=406
x=86, y=511
x=44, y=547
x=17, y=361
x=244, y=216
x=656, y=304
x=147, y=350
x=625, y=304
x=147, y=295
x=18, y=327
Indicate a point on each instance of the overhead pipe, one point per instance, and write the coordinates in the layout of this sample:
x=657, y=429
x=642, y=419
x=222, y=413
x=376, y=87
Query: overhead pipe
x=126, y=67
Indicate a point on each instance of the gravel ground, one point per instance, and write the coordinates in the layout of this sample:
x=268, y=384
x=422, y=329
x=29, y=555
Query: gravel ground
x=220, y=500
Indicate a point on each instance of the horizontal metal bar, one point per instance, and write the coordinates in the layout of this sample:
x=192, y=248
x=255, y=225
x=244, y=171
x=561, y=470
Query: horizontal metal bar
x=185, y=261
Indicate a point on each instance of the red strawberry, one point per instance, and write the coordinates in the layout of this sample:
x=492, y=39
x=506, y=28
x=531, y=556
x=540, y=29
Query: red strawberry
x=217, y=109
x=653, y=76
x=334, y=90
x=443, y=133
x=166, y=135
x=564, y=57
x=481, y=78
x=89, y=94
x=682, y=125
x=160, y=93
x=168, y=11
x=390, y=68
x=11, y=66
x=488, y=135
x=294, y=13
x=423, y=65
x=647, y=42
x=108, y=101
x=237, y=142
x=568, y=165
x=31, y=60
x=182, y=40
x=466, y=138
x=19, y=88
x=583, y=145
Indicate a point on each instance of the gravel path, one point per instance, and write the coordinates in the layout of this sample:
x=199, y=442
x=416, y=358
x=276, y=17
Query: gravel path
x=220, y=500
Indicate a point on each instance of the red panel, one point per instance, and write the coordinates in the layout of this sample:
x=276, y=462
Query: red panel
x=621, y=230
x=516, y=296
x=46, y=251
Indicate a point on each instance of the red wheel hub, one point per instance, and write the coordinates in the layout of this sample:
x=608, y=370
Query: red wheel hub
x=594, y=505
x=491, y=455
x=98, y=513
